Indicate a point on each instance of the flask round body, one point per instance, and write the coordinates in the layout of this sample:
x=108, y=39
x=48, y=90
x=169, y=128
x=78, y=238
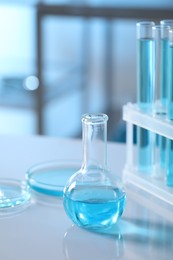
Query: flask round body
x=93, y=197
x=93, y=205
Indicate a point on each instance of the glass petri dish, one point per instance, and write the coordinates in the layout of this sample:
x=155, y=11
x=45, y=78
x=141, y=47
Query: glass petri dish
x=49, y=178
x=13, y=195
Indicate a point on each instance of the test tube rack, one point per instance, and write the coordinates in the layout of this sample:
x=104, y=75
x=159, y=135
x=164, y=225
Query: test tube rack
x=159, y=125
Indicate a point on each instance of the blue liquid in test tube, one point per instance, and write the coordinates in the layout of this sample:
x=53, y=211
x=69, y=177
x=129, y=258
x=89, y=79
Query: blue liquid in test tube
x=145, y=140
x=164, y=71
x=145, y=92
x=163, y=94
x=169, y=176
x=170, y=90
x=169, y=173
x=165, y=66
x=162, y=148
x=167, y=99
x=161, y=37
x=145, y=74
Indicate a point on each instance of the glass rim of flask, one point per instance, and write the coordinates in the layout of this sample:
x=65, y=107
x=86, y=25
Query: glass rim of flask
x=144, y=29
x=94, y=118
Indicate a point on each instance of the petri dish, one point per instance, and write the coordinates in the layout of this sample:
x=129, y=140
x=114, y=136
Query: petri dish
x=13, y=195
x=49, y=178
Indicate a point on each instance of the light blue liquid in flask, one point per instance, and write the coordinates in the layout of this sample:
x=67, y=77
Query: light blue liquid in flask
x=93, y=197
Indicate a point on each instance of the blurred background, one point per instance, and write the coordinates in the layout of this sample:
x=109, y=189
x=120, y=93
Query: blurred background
x=61, y=59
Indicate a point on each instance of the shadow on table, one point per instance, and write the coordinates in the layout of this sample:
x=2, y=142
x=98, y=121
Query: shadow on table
x=80, y=244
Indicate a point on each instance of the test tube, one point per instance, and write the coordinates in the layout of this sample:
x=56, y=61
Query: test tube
x=169, y=171
x=145, y=150
x=167, y=22
x=145, y=66
x=167, y=79
x=170, y=76
x=145, y=92
x=165, y=58
x=169, y=175
x=161, y=39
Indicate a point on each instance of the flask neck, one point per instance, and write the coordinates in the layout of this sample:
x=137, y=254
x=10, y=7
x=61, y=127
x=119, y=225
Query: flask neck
x=94, y=133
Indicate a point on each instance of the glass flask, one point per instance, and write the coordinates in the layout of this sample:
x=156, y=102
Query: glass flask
x=93, y=197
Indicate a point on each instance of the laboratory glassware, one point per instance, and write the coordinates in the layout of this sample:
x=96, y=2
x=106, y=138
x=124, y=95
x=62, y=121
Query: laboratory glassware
x=145, y=92
x=49, y=178
x=170, y=76
x=93, y=197
x=161, y=39
x=14, y=196
x=165, y=73
x=145, y=65
x=169, y=173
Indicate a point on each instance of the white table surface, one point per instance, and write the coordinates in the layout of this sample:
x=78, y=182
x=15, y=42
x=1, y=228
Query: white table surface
x=44, y=232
